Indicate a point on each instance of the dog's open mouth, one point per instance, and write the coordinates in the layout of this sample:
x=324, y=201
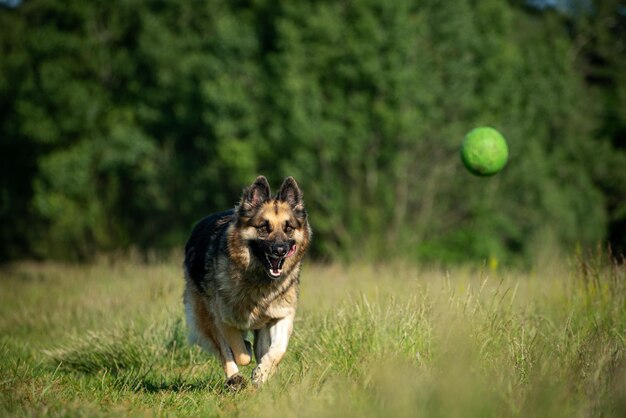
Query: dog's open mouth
x=275, y=263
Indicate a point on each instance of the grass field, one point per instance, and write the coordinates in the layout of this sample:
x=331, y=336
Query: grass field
x=109, y=340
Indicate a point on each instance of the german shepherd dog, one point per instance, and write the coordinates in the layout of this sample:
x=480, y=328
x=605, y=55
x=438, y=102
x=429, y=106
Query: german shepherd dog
x=242, y=269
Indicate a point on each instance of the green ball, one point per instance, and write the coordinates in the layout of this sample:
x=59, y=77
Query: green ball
x=484, y=151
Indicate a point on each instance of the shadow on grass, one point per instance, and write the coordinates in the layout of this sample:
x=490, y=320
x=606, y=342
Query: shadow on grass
x=127, y=360
x=157, y=384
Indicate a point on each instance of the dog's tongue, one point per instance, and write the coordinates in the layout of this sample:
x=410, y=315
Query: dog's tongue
x=275, y=263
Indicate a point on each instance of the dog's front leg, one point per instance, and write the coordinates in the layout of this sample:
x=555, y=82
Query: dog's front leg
x=270, y=345
x=234, y=353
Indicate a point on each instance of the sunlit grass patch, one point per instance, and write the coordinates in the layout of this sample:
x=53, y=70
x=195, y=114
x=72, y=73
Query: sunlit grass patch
x=110, y=339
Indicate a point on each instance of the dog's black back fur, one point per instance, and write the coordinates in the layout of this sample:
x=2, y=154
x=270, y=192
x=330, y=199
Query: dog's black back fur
x=207, y=240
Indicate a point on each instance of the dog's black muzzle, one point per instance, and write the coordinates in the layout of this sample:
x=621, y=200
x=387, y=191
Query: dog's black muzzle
x=273, y=255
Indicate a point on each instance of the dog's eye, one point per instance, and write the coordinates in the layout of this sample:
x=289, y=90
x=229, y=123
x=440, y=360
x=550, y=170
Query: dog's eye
x=288, y=229
x=263, y=229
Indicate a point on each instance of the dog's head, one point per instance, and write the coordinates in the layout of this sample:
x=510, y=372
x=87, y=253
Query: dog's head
x=275, y=229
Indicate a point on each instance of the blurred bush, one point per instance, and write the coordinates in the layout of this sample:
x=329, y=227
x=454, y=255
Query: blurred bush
x=124, y=122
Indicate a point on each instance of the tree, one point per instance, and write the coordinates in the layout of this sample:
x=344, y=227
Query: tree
x=123, y=123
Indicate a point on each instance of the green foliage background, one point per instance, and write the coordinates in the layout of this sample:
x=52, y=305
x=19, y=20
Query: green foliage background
x=124, y=122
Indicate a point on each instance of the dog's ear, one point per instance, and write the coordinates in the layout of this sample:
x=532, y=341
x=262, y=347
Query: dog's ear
x=254, y=196
x=290, y=193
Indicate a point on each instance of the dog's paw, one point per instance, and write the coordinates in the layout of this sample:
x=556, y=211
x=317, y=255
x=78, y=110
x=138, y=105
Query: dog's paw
x=236, y=382
x=259, y=375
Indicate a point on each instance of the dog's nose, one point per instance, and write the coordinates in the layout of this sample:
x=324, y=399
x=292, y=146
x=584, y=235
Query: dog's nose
x=280, y=250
